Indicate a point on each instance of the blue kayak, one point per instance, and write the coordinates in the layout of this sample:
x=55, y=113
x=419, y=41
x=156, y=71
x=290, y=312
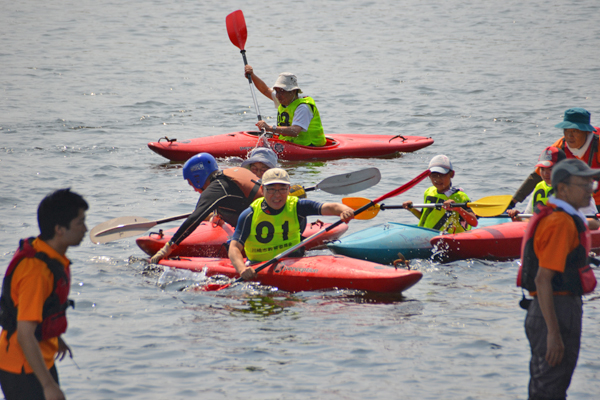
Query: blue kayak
x=391, y=241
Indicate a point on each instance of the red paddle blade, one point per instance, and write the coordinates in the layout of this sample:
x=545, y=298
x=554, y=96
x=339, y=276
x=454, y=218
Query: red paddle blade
x=236, y=28
x=213, y=287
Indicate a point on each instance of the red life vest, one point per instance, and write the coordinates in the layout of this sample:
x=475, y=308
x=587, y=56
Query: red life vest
x=54, y=318
x=577, y=278
x=591, y=157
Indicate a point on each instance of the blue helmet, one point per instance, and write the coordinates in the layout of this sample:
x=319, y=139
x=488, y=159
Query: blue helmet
x=198, y=168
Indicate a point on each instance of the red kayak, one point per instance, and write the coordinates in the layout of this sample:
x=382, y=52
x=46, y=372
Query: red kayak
x=209, y=240
x=312, y=273
x=239, y=144
x=496, y=242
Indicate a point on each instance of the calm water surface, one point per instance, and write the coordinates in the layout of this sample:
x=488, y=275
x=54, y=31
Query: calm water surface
x=84, y=85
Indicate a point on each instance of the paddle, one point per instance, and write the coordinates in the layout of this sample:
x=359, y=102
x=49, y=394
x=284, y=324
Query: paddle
x=124, y=227
x=485, y=207
x=395, y=192
x=236, y=28
x=350, y=182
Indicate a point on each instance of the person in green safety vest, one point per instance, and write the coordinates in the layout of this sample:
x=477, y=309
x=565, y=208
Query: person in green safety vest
x=271, y=224
x=298, y=119
x=446, y=218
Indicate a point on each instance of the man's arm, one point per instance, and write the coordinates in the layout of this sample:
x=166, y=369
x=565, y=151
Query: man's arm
x=33, y=355
x=526, y=187
x=259, y=83
x=343, y=211
x=237, y=259
x=555, y=349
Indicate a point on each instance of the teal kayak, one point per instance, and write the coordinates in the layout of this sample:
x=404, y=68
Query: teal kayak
x=391, y=241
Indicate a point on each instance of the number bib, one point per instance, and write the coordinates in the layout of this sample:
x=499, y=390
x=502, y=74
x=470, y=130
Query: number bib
x=270, y=235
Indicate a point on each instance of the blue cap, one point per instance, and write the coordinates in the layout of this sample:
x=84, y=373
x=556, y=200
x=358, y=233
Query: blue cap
x=576, y=118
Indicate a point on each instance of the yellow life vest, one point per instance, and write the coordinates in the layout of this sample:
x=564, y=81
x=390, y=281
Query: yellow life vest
x=270, y=235
x=441, y=219
x=540, y=193
x=314, y=135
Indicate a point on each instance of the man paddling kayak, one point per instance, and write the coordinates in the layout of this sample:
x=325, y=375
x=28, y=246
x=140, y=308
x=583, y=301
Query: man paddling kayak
x=447, y=218
x=298, y=119
x=229, y=192
x=271, y=224
x=580, y=141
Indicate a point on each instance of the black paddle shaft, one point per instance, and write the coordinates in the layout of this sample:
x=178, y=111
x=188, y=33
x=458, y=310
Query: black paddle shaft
x=437, y=206
x=250, y=82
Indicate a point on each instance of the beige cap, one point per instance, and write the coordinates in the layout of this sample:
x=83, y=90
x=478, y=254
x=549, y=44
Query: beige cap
x=275, y=175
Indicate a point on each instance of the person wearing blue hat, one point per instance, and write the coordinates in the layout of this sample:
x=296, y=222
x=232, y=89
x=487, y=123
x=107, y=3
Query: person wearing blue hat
x=260, y=161
x=580, y=141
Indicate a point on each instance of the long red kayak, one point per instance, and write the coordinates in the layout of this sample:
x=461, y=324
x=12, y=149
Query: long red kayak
x=312, y=273
x=209, y=240
x=496, y=242
x=239, y=144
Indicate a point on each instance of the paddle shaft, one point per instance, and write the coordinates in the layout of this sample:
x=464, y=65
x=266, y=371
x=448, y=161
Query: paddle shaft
x=531, y=215
x=251, y=87
x=432, y=205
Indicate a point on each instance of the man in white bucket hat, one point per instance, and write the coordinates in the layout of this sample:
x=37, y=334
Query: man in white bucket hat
x=298, y=119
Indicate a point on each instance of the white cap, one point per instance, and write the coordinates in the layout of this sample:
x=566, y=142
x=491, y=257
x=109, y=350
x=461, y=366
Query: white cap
x=440, y=164
x=287, y=81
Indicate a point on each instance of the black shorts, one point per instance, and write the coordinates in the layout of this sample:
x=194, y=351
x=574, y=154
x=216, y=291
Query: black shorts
x=23, y=386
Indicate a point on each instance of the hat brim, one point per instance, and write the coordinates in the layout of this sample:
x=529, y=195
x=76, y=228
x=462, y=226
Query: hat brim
x=545, y=164
x=592, y=173
x=281, y=181
x=253, y=160
x=576, y=125
x=286, y=88
x=440, y=170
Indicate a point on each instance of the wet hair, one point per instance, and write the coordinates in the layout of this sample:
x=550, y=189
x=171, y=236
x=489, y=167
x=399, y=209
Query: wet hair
x=59, y=208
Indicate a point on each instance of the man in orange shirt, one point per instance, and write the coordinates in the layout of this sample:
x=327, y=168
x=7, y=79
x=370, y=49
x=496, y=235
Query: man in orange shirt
x=35, y=298
x=555, y=270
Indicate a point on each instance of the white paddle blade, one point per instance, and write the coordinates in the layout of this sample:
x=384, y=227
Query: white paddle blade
x=119, y=228
x=351, y=182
